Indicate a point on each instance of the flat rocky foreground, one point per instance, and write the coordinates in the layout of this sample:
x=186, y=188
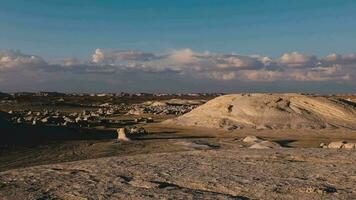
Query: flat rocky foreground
x=236, y=173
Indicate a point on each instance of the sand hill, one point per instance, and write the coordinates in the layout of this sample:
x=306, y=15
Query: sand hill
x=271, y=111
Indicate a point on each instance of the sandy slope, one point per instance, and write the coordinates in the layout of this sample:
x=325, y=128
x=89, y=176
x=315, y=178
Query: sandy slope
x=271, y=111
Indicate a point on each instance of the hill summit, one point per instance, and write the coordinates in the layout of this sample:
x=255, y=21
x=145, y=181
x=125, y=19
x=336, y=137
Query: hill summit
x=271, y=111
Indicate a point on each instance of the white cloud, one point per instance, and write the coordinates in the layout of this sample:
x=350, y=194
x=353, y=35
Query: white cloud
x=182, y=56
x=296, y=59
x=239, y=62
x=263, y=75
x=340, y=59
x=98, y=56
x=320, y=74
x=221, y=75
x=333, y=57
x=180, y=64
x=109, y=56
x=12, y=60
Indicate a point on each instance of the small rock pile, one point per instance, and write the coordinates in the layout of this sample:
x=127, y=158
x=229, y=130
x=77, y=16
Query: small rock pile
x=339, y=145
x=176, y=110
x=86, y=118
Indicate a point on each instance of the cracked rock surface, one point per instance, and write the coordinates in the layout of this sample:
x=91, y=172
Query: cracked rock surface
x=236, y=173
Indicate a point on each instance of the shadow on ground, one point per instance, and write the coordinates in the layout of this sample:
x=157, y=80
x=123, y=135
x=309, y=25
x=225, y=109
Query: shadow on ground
x=29, y=135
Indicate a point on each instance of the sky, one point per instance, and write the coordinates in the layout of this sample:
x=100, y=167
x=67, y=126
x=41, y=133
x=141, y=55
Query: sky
x=178, y=46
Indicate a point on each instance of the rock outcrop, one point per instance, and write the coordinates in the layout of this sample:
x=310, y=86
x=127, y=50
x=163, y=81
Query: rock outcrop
x=252, y=139
x=254, y=142
x=339, y=145
x=122, y=134
x=270, y=111
x=128, y=133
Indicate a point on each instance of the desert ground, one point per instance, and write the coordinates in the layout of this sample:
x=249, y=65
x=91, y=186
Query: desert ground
x=180, y=157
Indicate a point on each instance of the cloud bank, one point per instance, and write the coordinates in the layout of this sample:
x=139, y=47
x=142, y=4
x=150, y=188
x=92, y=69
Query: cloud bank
x=141, y=70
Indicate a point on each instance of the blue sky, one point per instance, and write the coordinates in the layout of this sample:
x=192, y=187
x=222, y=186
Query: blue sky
x=61, y=29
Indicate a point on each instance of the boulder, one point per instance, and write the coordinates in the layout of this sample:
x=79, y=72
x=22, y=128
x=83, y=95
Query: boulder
x=128, y=133
x=136, y=130
x=19, y=120
x=349, y=146
x=44, y=120
x=122, y=134
x=135, y=111
x=336, y=145
x=251, y=139
x=323, y=145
